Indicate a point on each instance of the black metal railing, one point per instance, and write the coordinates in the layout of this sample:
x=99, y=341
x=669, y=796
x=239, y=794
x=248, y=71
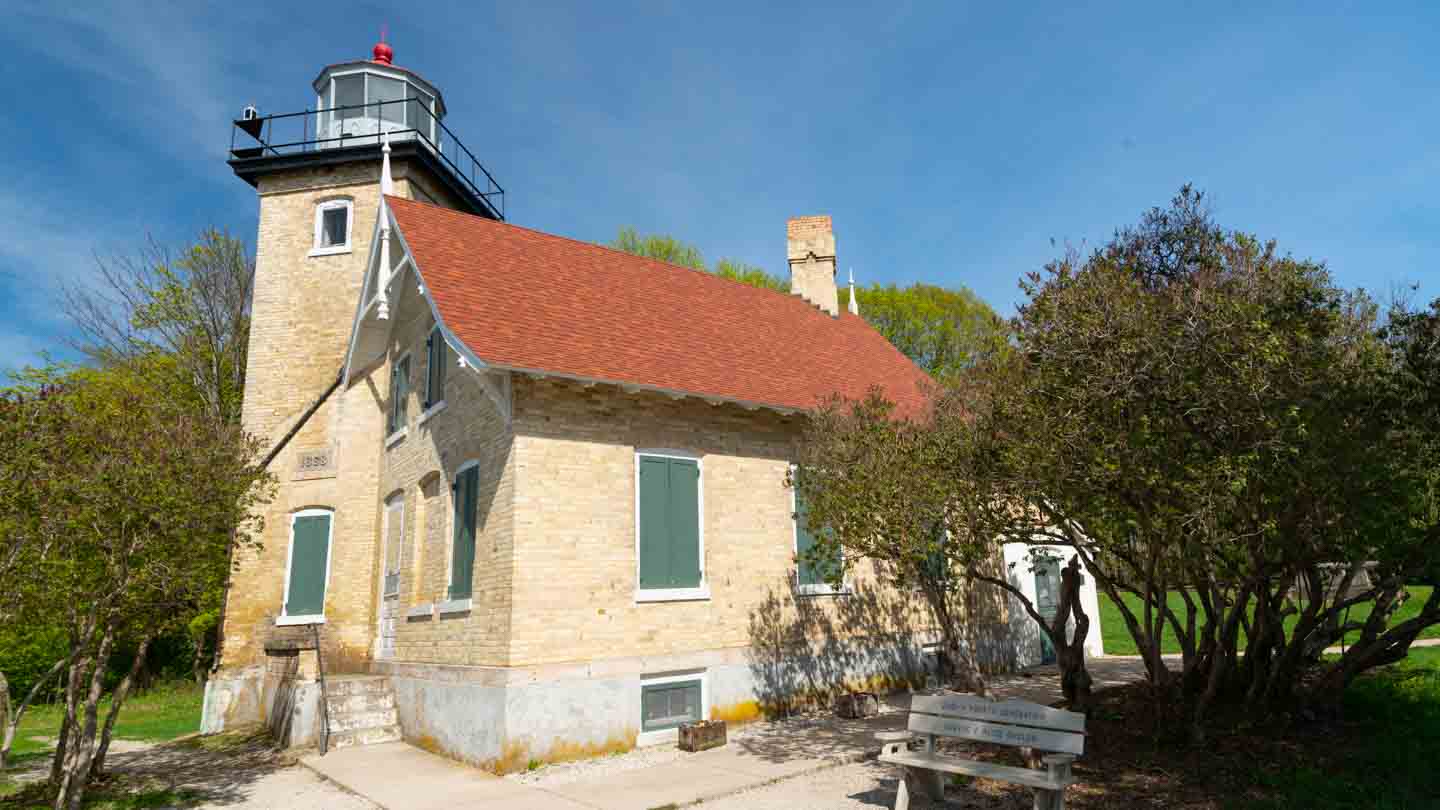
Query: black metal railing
x=363, y=124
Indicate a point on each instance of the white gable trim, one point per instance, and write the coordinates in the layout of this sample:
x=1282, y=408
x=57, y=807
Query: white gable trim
x=494, y=381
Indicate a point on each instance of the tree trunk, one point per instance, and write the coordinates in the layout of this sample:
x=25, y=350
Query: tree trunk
x=197, y=661
x=117, y=699
x=958, y=669
x=1075, y=680
x=75, y=774
x=5, y=719
x=12, y=726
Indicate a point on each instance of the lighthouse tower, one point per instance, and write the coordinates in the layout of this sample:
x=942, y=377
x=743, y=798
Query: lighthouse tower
x=317, y=175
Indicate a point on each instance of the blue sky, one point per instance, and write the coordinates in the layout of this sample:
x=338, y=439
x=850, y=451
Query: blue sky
x=953, y=143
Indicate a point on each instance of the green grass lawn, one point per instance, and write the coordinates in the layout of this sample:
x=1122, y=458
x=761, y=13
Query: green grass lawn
x=1118, y=641
x=1390, y=763
x=163, y=713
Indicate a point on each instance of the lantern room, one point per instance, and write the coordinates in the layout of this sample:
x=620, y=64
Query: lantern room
x=356, y=101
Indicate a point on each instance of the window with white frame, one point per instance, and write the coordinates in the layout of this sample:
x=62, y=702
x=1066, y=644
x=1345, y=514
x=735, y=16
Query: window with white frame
x=332, y=227
x=669, y=701
x=399, y=396
x=817, y=572
x=669, y=537
x=307, y=567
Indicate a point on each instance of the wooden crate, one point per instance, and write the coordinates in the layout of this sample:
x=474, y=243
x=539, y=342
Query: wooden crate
x=858, y=704
x=702, y=735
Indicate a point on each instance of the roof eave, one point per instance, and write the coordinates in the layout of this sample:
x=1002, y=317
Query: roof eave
x=633, y=387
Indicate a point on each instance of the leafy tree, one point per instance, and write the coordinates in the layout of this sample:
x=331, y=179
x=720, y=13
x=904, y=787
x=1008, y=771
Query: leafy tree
x=191, y=306
x=946, y=332
x=1196, y=414
x=144, y=497
x=875, y=484
x=750, y=274
x=657, y=246
x=182, y=317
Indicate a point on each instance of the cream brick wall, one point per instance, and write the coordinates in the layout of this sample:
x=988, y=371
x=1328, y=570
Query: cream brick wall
x=302, y=311
x=422, y=466
x=575, y=543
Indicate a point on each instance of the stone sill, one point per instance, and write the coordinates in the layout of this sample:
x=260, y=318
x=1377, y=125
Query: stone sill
x=453, y=606
x=286, y=621
x=699, y=594
x=431, y=411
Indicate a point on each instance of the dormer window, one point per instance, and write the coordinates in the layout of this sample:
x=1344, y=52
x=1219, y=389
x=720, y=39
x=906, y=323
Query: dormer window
x=332, y=227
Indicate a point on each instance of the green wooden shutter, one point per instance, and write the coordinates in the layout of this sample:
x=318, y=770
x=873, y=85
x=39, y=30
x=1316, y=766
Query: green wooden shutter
x=391, y=422
x=654, y=522
x=309, y=552
x=462, y=568
x=429, y=372
x=684, y=523
x=669, y=522
x=435, y=369
x=811, y=572
x=804, y=541
x=402, y=394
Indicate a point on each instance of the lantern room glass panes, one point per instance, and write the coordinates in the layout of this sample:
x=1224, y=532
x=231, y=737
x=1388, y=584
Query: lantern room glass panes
x=377, y=103
x=387, y=97
x=418, y=112
x=350, y=92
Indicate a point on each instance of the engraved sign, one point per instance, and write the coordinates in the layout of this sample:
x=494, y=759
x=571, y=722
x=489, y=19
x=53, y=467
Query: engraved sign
x=314, y=463
x=1003, y=711
x=1061, y=741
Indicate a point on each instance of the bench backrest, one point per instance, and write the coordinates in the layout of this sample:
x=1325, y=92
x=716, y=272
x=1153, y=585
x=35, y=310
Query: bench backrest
x=1005, y=722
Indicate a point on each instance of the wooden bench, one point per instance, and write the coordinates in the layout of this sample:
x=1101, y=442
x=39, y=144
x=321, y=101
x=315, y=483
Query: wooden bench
x=1011, y=722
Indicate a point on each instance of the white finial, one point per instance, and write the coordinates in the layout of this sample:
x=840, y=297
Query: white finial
x=383, y=310
x=387, y=186
x=854, y=302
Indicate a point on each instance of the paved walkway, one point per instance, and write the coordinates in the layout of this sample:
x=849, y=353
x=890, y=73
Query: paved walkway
x=397, y=776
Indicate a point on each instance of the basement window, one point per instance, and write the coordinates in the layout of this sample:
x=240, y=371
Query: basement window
x=669, y=701
x=332, y=227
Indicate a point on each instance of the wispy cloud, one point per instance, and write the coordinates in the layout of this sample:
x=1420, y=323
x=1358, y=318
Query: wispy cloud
x=170, y=69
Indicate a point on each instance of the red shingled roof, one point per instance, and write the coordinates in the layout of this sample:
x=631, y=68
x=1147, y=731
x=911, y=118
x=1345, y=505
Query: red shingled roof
x=525, y=300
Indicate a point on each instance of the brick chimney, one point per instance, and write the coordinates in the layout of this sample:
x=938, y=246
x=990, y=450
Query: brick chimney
x=811, y=250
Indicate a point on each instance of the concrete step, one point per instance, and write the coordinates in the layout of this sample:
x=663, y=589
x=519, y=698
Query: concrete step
x=359, y=703
x=346, y=685
x=355, y=721
x=364, y=736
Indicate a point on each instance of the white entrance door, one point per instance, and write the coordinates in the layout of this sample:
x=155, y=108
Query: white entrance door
x=394, y=540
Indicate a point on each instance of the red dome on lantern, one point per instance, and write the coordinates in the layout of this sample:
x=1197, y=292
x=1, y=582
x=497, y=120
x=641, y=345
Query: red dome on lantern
x=383, y=53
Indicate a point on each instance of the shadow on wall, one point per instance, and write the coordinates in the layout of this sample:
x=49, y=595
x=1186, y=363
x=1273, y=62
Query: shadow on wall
x=806, y=650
